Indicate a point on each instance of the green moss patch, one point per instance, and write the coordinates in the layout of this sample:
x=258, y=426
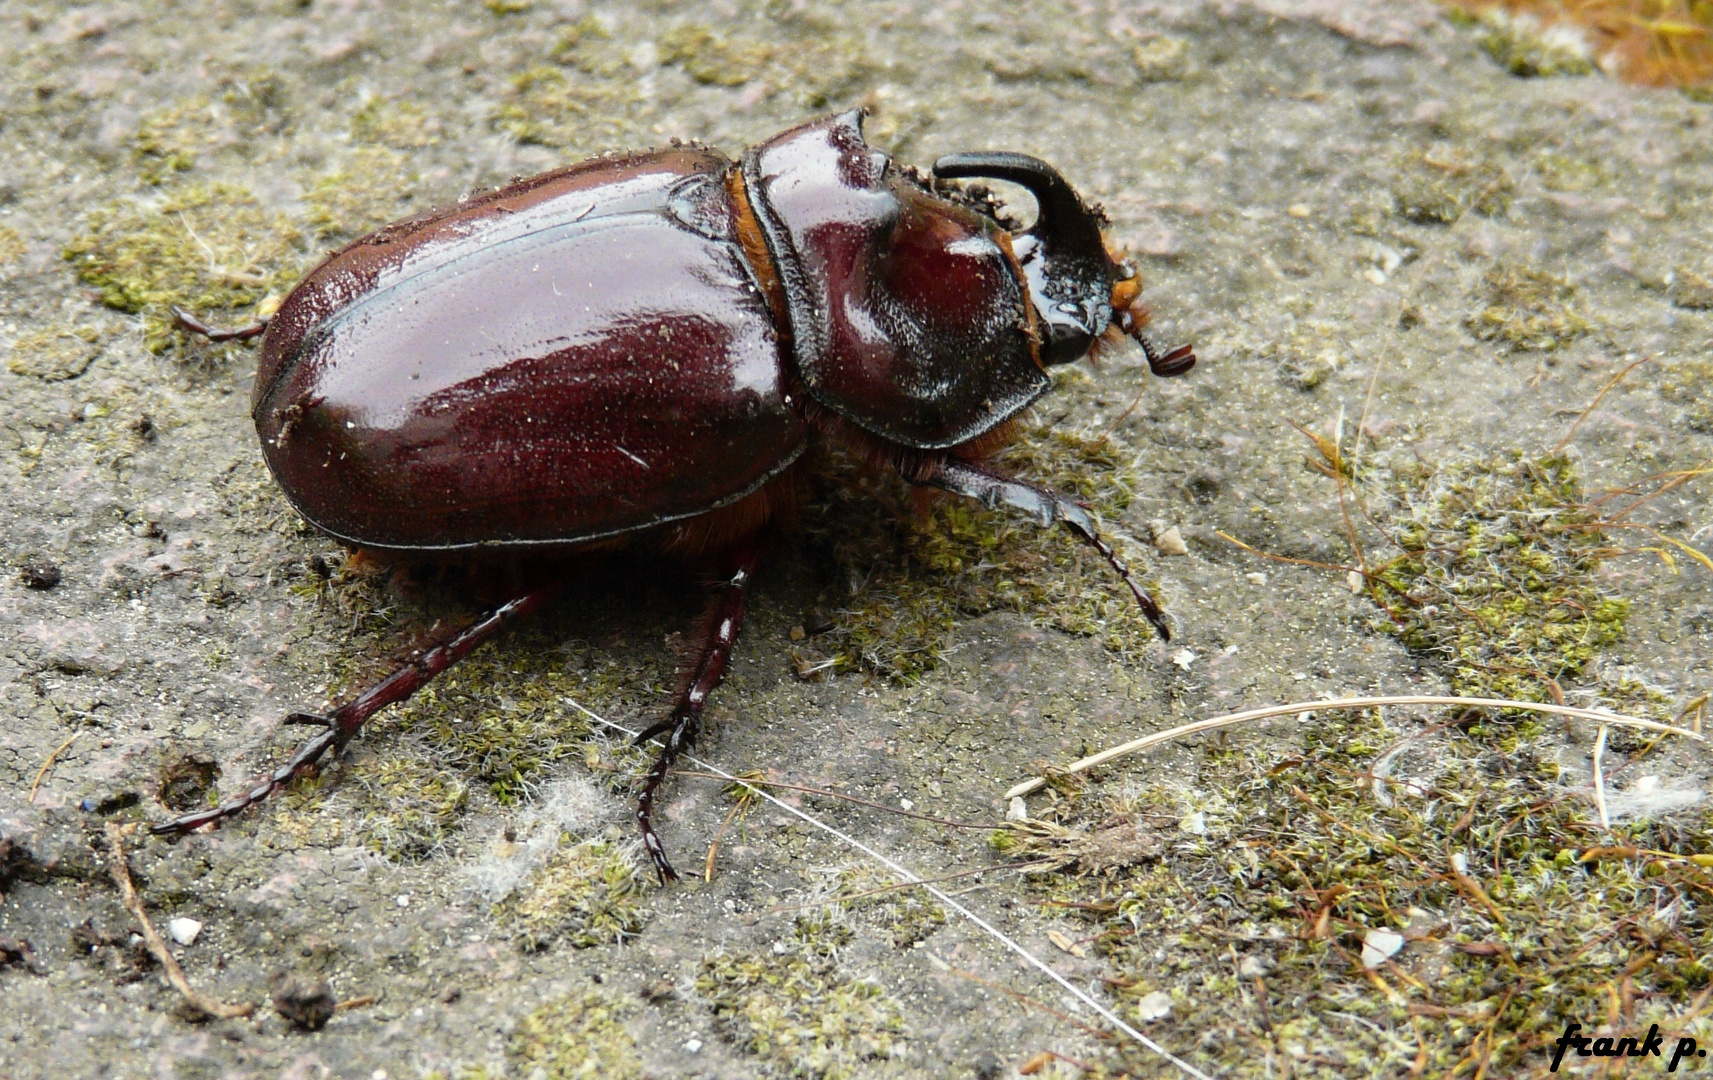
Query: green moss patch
x=578, y=1037
x=209, y=248
x=409, y=805
x=1517, y=915
x=821, y=69
x=374, y=187
x=906, y=914
x=796, y=1011
x=1523, y=46
x=587, y=893
x=1439, y=187
x=553, y=106
x=1495, y=581
x=907, y=579
x=1526, y=309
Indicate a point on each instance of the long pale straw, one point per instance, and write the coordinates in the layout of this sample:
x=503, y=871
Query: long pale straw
x=944, y=898
x=1230, y=719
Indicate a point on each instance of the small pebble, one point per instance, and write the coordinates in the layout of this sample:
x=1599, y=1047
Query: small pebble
x=1379, y=946
x=1017, y=809
x=1355, y=581
x=403, y=900
x=906, y=804
x=183, y=931
x=1154, y=1006
x=1298, y=210
x=1171, y=542
x=303, y=999
x=1257, y=578
x=694, y=1046
x=1253, y=967
x=39, y=575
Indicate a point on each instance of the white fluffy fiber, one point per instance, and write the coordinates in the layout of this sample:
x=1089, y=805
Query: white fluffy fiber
x=572, y=806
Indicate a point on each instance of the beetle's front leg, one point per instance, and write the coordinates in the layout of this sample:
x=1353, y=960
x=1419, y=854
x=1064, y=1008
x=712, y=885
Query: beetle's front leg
x=677, y=731
x=343, y=724
x=1046, y=506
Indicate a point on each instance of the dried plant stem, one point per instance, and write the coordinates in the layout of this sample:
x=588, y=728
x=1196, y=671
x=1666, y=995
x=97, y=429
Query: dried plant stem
x=1599, y=779
x=157, y=945
x=1604, y=390
x=49, y=763
x=1230, y=719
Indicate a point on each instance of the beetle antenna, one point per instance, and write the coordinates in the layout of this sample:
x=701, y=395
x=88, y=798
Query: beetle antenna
x=1168, y=365
x=994, y=492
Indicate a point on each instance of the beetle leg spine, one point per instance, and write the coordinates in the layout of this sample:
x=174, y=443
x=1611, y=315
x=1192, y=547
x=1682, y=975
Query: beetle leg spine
x=725, y=621
x=343, y=724
x=993, y=491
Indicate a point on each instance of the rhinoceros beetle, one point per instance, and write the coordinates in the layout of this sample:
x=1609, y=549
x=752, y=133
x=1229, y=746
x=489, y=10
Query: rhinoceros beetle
x=640, y=347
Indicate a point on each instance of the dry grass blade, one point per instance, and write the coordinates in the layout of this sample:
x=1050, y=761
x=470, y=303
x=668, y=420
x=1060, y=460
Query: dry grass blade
x=199, y=1001
x=1604, y=390
x=1231, y=719
x=49, y=763
x=1600, y=779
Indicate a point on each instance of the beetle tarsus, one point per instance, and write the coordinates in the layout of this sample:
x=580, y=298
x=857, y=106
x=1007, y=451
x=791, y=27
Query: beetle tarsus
x=343, y=724
x=1047, y=507
x=725, y=621
x=194, y=325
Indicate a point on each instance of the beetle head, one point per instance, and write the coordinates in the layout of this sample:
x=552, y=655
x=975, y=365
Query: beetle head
x=1064, y=259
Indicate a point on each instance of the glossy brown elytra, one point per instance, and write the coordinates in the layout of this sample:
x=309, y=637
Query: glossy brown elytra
x=641, y=347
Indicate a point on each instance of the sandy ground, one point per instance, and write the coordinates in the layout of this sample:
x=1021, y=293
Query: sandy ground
x=1251, y=155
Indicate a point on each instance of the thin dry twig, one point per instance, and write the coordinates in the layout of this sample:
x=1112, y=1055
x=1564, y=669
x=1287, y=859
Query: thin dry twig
x=948, y=822
x=157, y=945
x=49, y=763
x=1604, y=390
x=1230, y=719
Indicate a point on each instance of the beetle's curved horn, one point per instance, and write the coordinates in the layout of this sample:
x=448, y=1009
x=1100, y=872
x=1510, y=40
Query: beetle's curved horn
x=1063, y=256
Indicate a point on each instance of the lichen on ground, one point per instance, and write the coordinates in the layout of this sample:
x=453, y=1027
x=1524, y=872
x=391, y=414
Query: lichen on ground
x=578, y=1037
x=903, y=578
x=56, y=354
x=1526, y=309
x=795, y=1010
x=587, y=893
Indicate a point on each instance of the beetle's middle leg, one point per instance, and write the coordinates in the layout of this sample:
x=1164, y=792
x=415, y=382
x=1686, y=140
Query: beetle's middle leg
x=678, y=730
x=994, y=491
x=343, y=724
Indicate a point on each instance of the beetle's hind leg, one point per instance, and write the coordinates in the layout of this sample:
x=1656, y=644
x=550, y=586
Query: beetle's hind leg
x=994, y=491
x=343, y=724
x=678, y=731
x=194, y=325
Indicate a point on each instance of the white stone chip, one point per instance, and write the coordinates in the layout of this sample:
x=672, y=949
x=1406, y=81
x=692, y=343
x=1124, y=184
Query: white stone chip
x=183, y=931
x=1171, y=542
x=1017, y=809
x=1379, y=946
x=1155, y=1006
